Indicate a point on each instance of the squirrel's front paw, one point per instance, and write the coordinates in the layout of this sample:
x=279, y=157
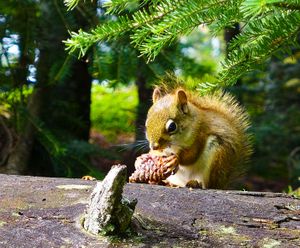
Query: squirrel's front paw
x=194, y=184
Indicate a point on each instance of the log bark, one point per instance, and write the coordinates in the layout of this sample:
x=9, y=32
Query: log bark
x=48, y=212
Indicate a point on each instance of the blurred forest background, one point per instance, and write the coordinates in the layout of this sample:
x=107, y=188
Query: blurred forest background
x=64, y=116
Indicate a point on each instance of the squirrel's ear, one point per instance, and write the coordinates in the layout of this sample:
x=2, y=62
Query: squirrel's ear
x=157, y=94
x=182, y=101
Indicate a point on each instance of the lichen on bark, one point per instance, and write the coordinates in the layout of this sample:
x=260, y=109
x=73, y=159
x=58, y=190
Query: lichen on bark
x=108, y=212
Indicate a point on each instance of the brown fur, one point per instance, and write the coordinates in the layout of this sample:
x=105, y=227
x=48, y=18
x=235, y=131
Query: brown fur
x=215, y=115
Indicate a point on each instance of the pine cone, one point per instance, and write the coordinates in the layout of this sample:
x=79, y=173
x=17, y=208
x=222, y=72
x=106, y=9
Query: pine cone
x=153, y=169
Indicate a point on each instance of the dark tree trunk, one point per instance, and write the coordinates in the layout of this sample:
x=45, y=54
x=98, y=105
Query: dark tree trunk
x=17, y=162
x=17, y=155
x=144, y=95
x=80, y=84
x=6, y=142
x=229, y=35
x=66, y=112
x=60, y=102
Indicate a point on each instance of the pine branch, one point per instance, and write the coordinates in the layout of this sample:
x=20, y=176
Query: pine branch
x=261, y=39
x=152, y=38
x=113, y=29
x=71, y=4
x=119, y=6
x=291, y=5
x=270, y=26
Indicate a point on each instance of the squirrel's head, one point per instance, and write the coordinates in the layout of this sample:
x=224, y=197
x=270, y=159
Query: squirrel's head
x=169, y=125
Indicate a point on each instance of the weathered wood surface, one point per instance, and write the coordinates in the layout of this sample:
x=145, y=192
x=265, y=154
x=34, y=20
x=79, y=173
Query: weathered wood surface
x=108, y=211
x=47, y=212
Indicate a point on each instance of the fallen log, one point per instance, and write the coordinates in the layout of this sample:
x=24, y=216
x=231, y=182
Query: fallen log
x=48, y=212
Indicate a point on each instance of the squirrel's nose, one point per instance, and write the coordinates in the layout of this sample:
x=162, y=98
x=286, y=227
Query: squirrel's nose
x=154, y=146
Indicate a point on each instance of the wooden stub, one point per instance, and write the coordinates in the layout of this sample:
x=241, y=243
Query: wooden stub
x=108, y=212
x=48, y=212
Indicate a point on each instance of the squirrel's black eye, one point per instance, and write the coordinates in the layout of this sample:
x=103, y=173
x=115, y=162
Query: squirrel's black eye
x=171, y=126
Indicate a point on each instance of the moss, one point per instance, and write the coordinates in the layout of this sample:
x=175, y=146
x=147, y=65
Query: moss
x=270, y=243
x=2, y=223
x=15, y=214
x=228, y=230
x=228, y=235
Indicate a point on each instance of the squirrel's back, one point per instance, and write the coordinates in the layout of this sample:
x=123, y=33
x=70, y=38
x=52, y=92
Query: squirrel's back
x=236, y=138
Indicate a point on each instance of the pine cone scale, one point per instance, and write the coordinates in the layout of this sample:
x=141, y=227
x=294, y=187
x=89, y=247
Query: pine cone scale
x=153, y=169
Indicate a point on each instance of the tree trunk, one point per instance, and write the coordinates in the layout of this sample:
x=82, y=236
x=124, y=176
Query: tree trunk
x=6, y=142
x=80, y=85
x=229, y=35
x=61, y=98
x=144, y=96
x=66, y=112
x=18, y=159
x=144, y=100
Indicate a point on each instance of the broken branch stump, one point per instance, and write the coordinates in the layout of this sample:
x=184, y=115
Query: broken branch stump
x=108, y=212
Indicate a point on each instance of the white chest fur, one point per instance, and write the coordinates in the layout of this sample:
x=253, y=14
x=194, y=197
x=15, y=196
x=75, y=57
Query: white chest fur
x=198, y=171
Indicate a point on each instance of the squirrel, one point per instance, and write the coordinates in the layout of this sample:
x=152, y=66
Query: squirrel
x=208, y=134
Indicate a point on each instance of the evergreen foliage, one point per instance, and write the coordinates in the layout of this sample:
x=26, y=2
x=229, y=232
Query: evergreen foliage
x=268, y=26
x=273, y=100
x=33, y=59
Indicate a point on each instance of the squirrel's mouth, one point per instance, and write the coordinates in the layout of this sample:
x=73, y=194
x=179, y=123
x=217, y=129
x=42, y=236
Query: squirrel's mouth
x=170, y=150
x=167, y=151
